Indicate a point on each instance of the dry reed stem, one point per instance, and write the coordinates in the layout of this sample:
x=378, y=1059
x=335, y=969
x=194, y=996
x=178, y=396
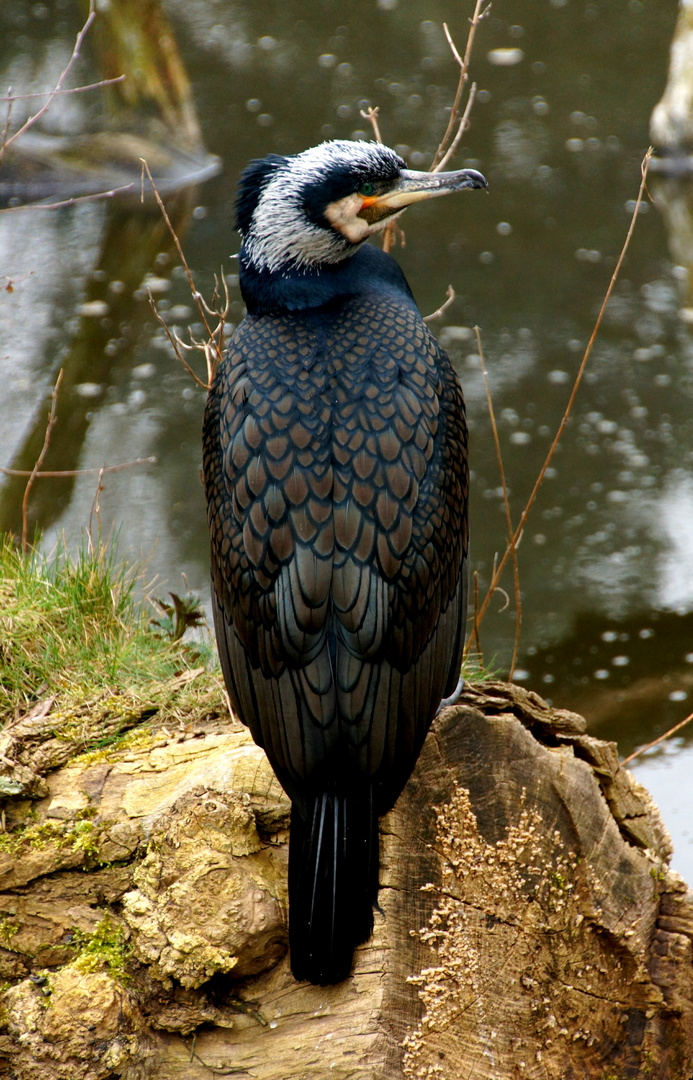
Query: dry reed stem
x=513, y=543
x=475, y=624
x=661, y=738
x=58, y=86
x=568, y=409
x=95, y=509
x=39, y=461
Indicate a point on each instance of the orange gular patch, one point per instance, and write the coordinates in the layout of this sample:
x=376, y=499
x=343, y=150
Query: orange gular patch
x=371, y=210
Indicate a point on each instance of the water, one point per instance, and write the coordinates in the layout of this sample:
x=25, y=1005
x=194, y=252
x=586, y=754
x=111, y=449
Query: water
x=606, y=560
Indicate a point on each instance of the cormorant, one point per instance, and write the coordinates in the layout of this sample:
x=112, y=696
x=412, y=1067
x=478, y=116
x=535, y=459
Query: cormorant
x=335, y=461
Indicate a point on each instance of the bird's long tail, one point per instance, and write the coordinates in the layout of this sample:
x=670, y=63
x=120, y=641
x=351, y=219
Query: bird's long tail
x=333, y=883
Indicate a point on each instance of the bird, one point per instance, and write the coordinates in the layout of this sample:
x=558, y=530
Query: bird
x=335, y=468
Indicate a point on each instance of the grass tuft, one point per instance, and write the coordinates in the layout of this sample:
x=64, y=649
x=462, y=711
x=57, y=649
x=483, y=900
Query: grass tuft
x=73, y=628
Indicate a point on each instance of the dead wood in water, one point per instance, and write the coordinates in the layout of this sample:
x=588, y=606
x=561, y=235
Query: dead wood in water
x=531, y=926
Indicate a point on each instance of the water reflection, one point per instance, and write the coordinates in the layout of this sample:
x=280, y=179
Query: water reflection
x=108, y=324
x=560, y=133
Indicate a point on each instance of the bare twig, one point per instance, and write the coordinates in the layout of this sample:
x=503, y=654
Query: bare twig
x=655, y=742
x=67, y=202
x=453, y=47
x=512, y=541
x=68, y=90
x=371, y=114
x=454, y=131
x=61, y=473
x=39, y=461
x=480, y=12
x=58, y=86
x=214, y=345
x=573, y=394
x=450, y=294
x=176, y=345
x=462, y=127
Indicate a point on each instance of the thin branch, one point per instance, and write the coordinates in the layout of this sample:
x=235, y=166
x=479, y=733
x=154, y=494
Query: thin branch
x=463, y=125
x=655, y=742
x=463, y=76
x=453, y=47
x=513, y=543
x=196, y=295
x=571, y=400
x=39, y=461
x=214, y=344
x=58, y=86
x=67, y=202
x=61, y=473
x=480, y=12
x=68, y=90
x=176, y=344
x=372, y=115
x=450, y=294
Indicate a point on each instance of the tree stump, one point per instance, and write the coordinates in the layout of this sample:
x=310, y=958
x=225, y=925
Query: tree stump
x=530, y=925
x=671, y=124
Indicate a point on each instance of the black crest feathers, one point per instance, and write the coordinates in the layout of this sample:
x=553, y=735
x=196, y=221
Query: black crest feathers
x=253, y=181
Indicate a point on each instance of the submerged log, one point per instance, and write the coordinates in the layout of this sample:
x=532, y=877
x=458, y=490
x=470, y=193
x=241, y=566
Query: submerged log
x=530, y=925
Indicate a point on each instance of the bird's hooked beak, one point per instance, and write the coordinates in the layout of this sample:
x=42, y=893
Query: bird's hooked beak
x=359, y=216
x=414, y=186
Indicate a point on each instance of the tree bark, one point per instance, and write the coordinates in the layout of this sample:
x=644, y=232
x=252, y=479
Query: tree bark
x=530, y=925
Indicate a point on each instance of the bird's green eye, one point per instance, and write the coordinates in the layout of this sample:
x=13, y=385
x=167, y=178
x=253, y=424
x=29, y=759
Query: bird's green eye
x=367, y=189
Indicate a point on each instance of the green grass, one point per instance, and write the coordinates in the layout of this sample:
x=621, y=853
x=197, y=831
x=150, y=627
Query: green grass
x=76, y=629
x=73, y=628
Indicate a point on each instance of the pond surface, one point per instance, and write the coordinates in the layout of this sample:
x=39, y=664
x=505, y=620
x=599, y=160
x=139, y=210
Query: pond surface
x=606, y=559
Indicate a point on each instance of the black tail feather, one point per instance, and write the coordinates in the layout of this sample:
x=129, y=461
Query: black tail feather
x=333, y=883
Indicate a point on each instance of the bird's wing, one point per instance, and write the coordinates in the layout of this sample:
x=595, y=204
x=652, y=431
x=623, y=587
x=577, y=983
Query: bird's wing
x=400, y=517
x=268, y=475
x=335, y=467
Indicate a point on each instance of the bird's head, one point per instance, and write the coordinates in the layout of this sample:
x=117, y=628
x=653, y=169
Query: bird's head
x=319, y=206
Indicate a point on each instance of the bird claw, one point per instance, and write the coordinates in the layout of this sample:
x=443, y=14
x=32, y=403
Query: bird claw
x=454, y=696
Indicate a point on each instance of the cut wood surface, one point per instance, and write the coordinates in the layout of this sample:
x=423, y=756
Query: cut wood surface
x=530, y=924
